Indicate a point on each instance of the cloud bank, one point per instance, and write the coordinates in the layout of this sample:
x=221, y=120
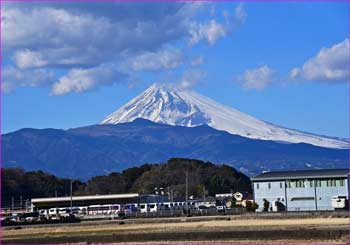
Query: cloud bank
x=83, y=40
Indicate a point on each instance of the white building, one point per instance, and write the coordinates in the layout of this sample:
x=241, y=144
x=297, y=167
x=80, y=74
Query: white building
x=304, y=190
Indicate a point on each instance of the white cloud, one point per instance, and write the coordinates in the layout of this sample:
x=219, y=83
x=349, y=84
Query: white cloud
x=77, y=38
x=58, y=32
x=210, y=31
x=329, y=65
x=153, y=61
x=28, y=59
x=14, y=78
x=197, y=61
x=235, y=19
x=257, y=78
x=80, y=80
x=55, y=35
x=190, y=79
x=240, y=14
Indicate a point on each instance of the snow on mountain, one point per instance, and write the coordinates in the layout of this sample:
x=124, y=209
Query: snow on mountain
x=169, y=105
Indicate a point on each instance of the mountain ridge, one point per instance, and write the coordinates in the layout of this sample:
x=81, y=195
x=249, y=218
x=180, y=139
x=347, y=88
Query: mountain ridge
x=98, y=149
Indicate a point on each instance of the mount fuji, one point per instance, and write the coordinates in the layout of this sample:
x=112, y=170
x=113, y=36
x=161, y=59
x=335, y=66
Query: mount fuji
x=170, y=105
x=164, y=122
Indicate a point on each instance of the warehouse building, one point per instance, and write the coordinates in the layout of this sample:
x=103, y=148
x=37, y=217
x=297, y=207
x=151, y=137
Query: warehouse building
x=302, y=190
x=57, y=202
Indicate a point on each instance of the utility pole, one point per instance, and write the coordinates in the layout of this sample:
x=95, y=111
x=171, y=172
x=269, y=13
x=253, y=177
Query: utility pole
x=203, y=194
x=187, y=193
x=285, y=193
x=315, y=184
x=71, y=196
x=12, y=203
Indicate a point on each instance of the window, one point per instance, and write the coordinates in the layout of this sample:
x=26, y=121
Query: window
x=324, y=183
x=341, y=182
x=300, y=184
x=281, y=184
x=269, y=185
x=302, y=198
x=318, y=183
x=331, y=182
x=311, y=183
x=257, y=186
x=334, y=183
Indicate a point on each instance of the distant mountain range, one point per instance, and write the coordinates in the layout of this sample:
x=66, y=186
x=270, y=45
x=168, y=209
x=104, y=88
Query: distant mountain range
x=173, y=106
x=99, y=149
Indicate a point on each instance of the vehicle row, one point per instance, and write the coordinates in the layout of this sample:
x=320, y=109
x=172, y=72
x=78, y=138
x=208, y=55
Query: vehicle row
x=121, y=209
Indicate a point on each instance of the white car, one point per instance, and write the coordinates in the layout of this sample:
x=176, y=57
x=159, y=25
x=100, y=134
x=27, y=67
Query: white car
x=29, y=219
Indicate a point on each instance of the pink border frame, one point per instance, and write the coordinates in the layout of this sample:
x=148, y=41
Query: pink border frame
x=284, y=1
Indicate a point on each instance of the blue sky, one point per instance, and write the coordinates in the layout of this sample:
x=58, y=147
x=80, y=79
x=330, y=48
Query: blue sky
x=281, y=62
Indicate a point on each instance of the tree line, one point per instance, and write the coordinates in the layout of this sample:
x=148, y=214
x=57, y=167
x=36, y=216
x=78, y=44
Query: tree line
x=203, y=178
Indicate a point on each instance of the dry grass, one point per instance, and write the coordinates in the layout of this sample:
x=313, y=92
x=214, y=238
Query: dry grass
x=101, y=229
x=343, y=240
x=250, y=224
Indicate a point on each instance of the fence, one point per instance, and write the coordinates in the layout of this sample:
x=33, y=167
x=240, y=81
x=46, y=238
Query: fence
x=171, y=213
x=14, y=205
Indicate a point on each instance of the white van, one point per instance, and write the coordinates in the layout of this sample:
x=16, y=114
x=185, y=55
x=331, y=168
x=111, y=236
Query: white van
x=143, y=207
x=53, y=213
x=153, y=207
x=148, y=207
x=339, y=202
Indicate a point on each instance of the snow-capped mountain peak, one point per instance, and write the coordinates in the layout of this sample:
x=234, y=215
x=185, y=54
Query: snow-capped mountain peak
x=163, y=104
x=170, y=105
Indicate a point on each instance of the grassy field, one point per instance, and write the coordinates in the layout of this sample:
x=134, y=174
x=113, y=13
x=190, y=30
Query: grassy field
x=184, y=230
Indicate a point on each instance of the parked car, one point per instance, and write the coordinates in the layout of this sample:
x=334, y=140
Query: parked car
x=220, y=209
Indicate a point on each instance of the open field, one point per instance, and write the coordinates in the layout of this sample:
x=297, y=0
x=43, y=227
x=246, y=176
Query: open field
x=187, y=230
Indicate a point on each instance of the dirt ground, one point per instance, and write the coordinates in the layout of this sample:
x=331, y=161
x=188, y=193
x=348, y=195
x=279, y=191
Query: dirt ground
x=267, y=231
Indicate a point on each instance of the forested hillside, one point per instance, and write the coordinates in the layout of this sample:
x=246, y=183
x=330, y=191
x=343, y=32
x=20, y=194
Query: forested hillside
x=202, y=177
